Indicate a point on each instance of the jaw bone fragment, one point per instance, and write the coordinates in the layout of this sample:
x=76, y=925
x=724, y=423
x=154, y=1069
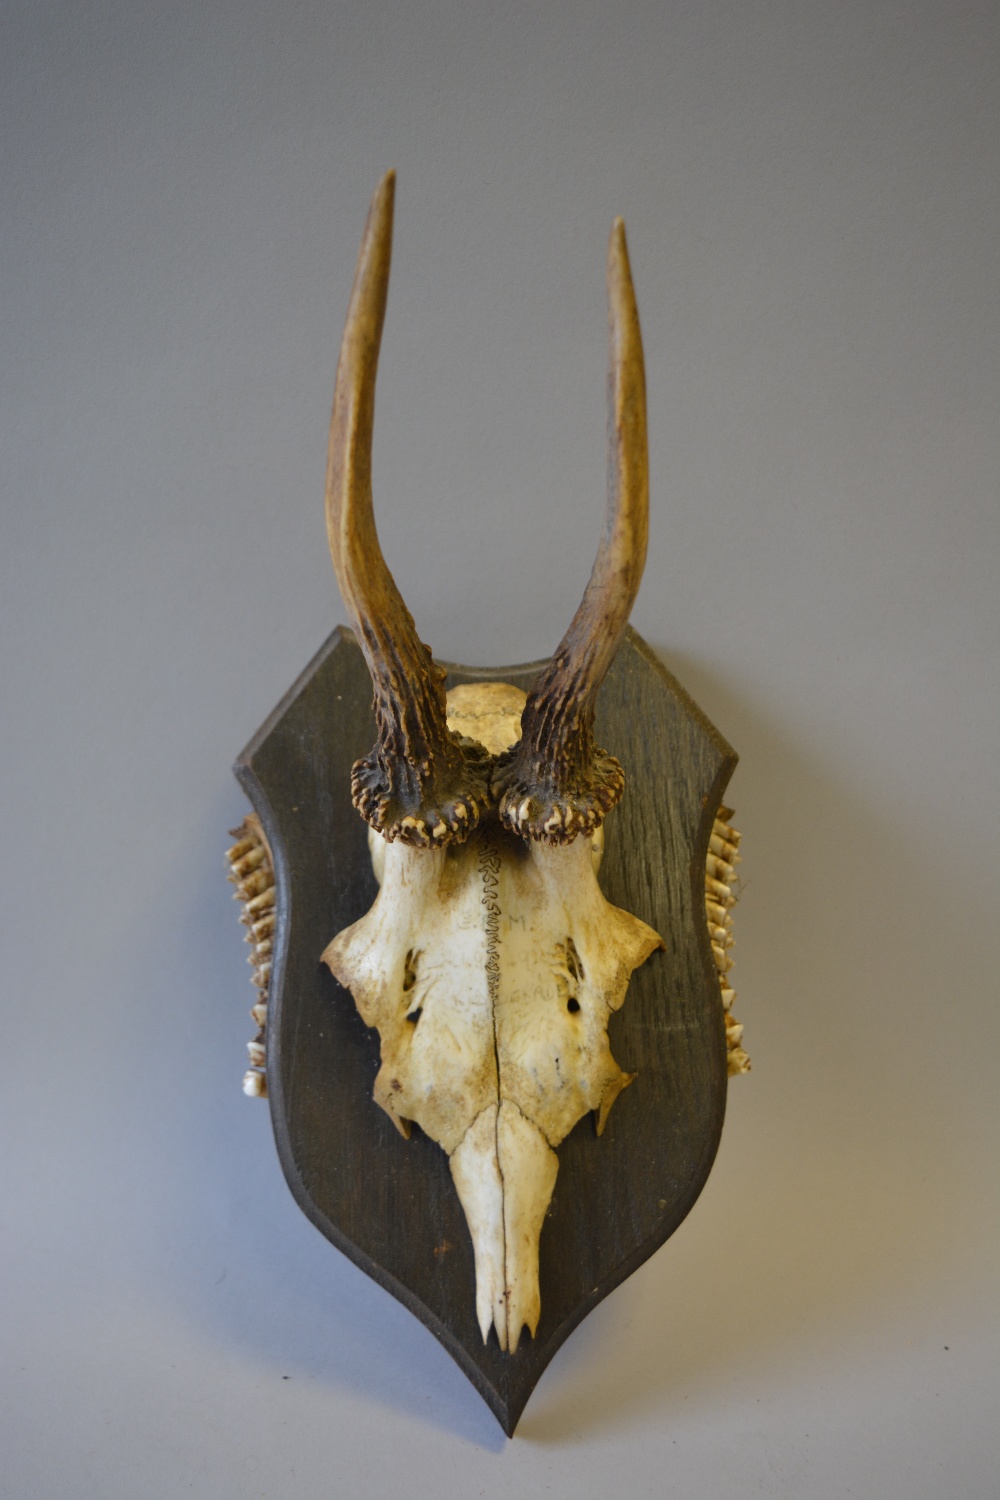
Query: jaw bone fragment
x=490, y=962
x=251, y=867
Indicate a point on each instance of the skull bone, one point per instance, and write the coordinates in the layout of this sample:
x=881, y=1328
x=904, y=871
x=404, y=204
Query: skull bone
x=491, y=969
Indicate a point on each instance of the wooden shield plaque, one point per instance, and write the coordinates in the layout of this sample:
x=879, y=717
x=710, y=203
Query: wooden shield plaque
x=390, y=1204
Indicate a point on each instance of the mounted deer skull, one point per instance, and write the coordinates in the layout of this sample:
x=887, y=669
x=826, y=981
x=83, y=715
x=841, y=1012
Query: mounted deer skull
x=490, y=962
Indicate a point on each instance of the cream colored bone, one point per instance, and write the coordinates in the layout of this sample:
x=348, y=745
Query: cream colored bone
x=491, y=969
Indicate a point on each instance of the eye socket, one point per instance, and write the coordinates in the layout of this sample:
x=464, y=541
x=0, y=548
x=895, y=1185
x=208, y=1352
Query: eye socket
x=572, y=1005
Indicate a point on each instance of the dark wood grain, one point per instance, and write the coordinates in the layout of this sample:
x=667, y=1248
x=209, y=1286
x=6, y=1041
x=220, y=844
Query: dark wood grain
x=390, y=1204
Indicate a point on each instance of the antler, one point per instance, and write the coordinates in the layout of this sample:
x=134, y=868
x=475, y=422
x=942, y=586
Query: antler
x=556, y=783
x=420, y=783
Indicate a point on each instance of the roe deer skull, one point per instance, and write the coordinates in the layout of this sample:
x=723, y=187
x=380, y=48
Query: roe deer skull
x=490, y=962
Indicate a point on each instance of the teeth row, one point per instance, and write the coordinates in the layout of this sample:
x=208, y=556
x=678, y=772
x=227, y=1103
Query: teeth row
x=720, y=898
x=251, y=870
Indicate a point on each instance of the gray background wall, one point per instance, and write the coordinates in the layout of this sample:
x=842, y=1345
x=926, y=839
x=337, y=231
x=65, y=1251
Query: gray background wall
x=811, y=194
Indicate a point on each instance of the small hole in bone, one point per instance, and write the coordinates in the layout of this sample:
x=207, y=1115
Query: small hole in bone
x=573, y=1005
x=414, y=1015
x=409, y=971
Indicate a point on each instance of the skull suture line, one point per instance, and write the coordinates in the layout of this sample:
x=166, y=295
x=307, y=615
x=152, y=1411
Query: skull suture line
x=490, y=962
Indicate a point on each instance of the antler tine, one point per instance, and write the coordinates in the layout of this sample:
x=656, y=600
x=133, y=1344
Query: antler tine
x=557, y=783
x=420, y=783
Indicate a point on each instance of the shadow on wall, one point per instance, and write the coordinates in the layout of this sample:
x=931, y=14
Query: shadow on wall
x=845, y=1166
x=832, y=1197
